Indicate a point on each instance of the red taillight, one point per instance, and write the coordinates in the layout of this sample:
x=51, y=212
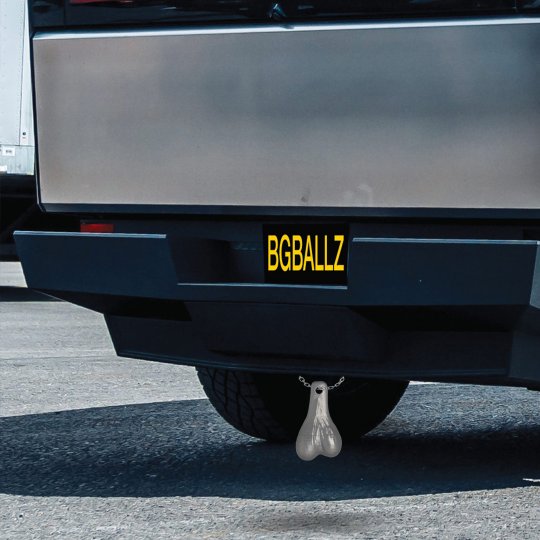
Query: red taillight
x=101, y=1
x=97, y=227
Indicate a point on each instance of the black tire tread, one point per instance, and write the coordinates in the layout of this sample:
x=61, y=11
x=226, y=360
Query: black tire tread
x=236, y=398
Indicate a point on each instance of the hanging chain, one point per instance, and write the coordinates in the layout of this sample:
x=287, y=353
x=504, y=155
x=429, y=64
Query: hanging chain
x=339, y=383
x=308, y=385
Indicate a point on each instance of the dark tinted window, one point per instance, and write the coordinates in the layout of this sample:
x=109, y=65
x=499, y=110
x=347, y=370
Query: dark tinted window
x=148, y=12
x=529, y=5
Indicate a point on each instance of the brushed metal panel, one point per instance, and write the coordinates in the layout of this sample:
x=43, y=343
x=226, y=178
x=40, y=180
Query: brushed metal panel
x=435, y=115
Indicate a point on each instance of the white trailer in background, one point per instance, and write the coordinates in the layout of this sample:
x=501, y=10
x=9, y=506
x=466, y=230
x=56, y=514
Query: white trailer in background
x=18, y=202
x=16, y=122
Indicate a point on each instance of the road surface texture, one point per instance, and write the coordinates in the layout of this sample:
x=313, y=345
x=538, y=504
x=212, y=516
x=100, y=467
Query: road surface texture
x=95, y=447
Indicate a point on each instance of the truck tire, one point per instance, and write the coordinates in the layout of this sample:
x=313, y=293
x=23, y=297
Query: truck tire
x=273, y=407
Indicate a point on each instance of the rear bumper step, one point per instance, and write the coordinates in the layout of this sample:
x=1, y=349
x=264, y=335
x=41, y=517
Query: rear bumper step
x=462, y=310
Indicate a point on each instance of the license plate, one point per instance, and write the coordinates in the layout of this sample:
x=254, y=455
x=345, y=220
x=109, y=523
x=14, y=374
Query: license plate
x=306, y=254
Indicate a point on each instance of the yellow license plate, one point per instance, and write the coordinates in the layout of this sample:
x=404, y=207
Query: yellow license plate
x=306, y=254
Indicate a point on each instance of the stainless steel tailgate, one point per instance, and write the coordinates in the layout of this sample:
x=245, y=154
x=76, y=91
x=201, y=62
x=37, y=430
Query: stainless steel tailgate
x=433, y=114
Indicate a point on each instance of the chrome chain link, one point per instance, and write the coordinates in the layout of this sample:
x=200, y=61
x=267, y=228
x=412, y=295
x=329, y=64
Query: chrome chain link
x=308, y=385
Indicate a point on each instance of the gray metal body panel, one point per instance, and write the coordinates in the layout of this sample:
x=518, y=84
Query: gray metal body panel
x=404, y=115
x=16, y=119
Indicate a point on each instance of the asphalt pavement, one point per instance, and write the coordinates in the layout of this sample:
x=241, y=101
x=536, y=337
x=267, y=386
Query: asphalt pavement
x=93, y=446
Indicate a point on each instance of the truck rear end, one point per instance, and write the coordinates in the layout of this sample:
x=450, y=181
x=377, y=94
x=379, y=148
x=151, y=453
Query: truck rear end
x=272, y=189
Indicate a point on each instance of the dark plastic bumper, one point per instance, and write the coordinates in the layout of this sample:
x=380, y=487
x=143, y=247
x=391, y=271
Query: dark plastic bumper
x=462, y=310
